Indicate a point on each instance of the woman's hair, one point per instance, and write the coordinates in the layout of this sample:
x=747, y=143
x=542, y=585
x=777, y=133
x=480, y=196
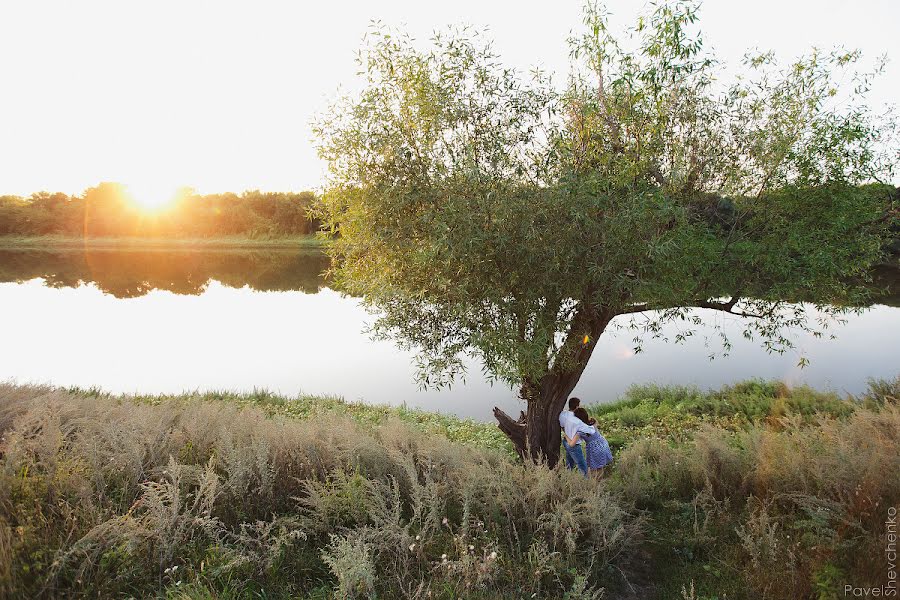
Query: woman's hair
x=583, y=415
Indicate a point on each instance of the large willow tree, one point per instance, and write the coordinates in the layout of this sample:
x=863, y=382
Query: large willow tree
x=485, y=214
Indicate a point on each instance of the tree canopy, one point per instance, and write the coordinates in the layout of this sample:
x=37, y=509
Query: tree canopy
x=490, y=214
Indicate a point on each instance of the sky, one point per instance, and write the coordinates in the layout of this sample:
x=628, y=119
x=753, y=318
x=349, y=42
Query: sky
x=219, y=95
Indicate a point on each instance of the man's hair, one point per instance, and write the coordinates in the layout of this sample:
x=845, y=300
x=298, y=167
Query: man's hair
x=574, y=402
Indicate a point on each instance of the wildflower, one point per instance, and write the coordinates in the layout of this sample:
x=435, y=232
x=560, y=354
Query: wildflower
x=471, y=547
x=418, y=538
x=493, y=555
x=412, y=547
x=443, y=557
x=445, y=521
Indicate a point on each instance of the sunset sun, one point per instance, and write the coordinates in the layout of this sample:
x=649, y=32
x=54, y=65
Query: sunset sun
x=150, y=195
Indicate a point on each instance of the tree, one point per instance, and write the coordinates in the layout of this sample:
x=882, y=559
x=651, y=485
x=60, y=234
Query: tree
x=485, y=214
x=12, y=213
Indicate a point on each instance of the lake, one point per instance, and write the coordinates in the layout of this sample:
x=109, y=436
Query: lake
x=154, y=321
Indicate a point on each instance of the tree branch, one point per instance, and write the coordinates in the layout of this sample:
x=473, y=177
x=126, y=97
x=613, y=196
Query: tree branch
x=727, y=307
x=515, y=430
x=657, y=175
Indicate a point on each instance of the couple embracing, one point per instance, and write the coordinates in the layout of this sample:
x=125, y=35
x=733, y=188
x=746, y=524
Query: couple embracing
x=579, y=431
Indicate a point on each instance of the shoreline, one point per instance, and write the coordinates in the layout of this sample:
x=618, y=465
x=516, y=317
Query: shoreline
x=662, y=411
x=17, y=242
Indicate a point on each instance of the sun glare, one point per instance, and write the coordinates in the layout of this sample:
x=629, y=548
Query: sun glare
x=152, y=196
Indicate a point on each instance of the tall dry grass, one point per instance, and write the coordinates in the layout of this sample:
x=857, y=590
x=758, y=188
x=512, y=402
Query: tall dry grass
x=192, y=497
x=798, y=508
x=104, y=496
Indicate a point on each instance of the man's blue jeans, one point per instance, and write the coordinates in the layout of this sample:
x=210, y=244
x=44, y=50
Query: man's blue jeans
x=575, y=457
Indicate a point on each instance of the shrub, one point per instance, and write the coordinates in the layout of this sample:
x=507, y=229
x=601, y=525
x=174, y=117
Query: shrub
x=351, y=564
x=880, y=392
x=633, y=416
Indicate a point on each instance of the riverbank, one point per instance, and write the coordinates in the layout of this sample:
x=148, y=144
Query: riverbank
x=754, y=488
x=50, y=242
x=672, y=413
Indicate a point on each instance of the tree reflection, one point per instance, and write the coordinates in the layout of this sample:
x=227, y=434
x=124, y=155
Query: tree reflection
x=886, y=281
x=133, y=273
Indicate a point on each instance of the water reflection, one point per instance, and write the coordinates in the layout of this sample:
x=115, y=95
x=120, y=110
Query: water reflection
x=134, y=273
x=167, y=321
x=886, y=281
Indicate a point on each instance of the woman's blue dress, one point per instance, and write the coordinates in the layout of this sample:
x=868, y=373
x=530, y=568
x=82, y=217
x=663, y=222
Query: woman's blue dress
x=597, y=450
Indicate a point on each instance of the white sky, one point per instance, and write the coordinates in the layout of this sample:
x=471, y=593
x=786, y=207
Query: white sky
x=219, y=95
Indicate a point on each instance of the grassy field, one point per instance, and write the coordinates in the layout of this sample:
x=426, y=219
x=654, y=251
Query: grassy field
x=51, y=242
x=755, y=490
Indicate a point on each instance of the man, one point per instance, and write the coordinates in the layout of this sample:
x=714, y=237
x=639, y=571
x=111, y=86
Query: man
x=572, y=426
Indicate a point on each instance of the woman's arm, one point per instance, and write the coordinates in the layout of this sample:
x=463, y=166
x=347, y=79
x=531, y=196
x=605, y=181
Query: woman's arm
x=572, y=441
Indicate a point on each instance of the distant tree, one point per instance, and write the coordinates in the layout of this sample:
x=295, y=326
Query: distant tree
x=486, y=215
x=12, y=214
x=108, y=212
x=53, y=213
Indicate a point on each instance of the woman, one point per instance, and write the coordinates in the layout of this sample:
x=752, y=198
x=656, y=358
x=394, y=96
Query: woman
x=595, y=445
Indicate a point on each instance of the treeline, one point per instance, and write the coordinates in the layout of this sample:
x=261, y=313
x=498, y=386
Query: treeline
x=108, y=210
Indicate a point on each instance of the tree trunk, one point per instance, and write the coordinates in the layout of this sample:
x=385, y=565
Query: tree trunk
x=536, y=433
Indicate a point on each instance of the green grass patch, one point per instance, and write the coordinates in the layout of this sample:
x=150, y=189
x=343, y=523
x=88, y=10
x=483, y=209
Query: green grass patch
x=675, y=413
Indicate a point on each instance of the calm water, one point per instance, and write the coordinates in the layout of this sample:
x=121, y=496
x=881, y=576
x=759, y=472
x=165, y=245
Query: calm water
x=170, y=321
